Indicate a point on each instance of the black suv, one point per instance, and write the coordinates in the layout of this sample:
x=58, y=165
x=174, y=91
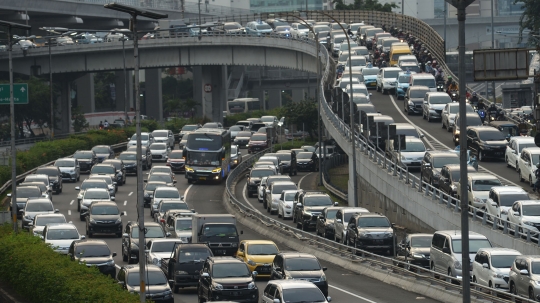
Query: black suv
x=288, y=162
x=184, y=265
x=308, y=206
x=449, y=178
x=158, y=289
x=120, y=169
x=307, y=161
x=432, y=163
x=254, y=178
x=55, y=176
x=295, y=265
x=227, y=278
x=372, y=232
x=130, y=239
x=486, y=142
x=325, y=222
x=103, y=218
x=87, y=159
x=94, y=253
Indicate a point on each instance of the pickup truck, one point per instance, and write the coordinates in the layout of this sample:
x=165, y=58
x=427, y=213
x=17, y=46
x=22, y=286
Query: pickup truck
x=217, y=231
x=183, y=267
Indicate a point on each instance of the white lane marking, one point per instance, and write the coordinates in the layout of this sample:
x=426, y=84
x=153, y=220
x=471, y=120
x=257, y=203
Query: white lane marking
x=131, y=193
x=125, y=202
x=439, y=142
x=302, y=179
x=117, y=266
x=350, y=293
x=246, y=199
x=125, y=213
x=69, y=212
x=187, y=191
x=71, y=203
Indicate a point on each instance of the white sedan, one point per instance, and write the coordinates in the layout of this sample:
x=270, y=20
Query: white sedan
x=286, y=204
x=160, y=151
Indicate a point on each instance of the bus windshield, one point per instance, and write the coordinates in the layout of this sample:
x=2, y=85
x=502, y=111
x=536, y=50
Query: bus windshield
x=237, y=106
x=204, y=141
x=203, y=158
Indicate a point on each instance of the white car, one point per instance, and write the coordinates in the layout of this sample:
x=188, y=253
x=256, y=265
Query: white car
x=273, y=193
x=33, y=207
x=527, y=162
x=70, y=169
x=358, y=89
x=163, y=192
x=525, y=213
x=110, y=183
x=261, y=188
x=91, y=195
x=410, y=156
x=270, y=121
x=501, y=198
x=40, y=220
x=357, y=63
x=387, y=79
x=479, y=185
x=159, y=249
x=146, y=139
x=60, y=236
x=299, y=30
x=449, y=113
x=514, y=148
x=434, y=103
x=343, y=57
x=491, y=267
x=341, y=221
x=286, y=203
x=160, y=151
x=345, y=81
x=164, y=136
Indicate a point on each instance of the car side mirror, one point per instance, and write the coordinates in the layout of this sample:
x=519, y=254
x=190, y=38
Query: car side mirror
x=9, y=195
x=114, y=254
x=516, y=213
x=123, y=213
x=113, y=198
x=485, y=265
x=425, y=102
x=83, y=237
x=121, y=282
x=56, y=211
x=145, y=180
x=21, y=211
x=76, y=188
x=277, y=301
x=205, y=275
x=494, y=204
x=239, y=153
x=30, y=224
x=254, y=274
x=329, y=299
x=446, y=250
x=336, y=203
x=240, y=254
x=338, y=220
x=247, y=175
x=524, y=272
x=125, y=235
x=168, y=234
x=324, y=268
x=174, y=181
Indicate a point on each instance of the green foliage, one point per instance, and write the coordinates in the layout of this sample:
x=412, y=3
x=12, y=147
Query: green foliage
x=530, y=19
x=366, y=5
x=176, y=124
x=231, y=120
x=150, y=125
x=130, y=131
x=79, y=121
x=38, y=273
x=177, y=96
x=103, y=91
x=303, y=114
x=292, y=144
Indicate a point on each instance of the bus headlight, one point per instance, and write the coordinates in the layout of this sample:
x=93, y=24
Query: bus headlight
x=217, y=170
x=189, y=169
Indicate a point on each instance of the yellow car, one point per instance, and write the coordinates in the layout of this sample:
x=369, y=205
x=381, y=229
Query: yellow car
x=258, y=255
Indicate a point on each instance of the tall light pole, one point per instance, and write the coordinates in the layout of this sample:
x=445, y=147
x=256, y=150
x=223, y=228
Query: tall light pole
x=461, y=5
x=200, y=29
x=10, y=26
x=493, y=44
x=135, y=12
x=351, y=109
x=126, y=99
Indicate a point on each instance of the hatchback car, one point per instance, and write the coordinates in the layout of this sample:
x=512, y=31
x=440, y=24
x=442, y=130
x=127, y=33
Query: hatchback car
x=286, y=203
x=292, y=291
x=164, y=136
x=325, y=222
x=40, y=220
x=307, y=161
x=486, y=142
x=526, y=215
x=273, y=194
x=432, y=164
x=70, y=169
x=296, y=265
x=523, y=277
x=434, y=103
x=514, y=148
x=60, y=236
x=258, y=255
x=491, y=267
x=501, y=199
x=103, y=217
x=414, y=99
x=94, y=253
x=478, y=187
x=414, y=250
x=160, y=193
x=529, y=158
x=258, y=142
x=159, y=291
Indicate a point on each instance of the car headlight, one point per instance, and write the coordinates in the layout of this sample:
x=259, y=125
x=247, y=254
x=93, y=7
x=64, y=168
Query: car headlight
x=288, y=206
x=72, y=171
x=92, y=221
x=251, y=285
x=189, y=169
x=217, y=286
x=478, y=200
x=323, y=278
x=418, y=256
x=497, y=275
x=167, y=293
x=110, y=263
x=365, y=235
x=388, y=235
x=457, y=265
x=217, y=170
x=528, y=223
x=118, y=221
x=537, y=282
x=251, y=262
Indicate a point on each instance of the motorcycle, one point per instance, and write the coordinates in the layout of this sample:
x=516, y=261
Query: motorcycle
x=454, y=95
x=482, y=114
x=440, y=86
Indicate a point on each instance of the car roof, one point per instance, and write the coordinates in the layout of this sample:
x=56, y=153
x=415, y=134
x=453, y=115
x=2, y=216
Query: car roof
x=110, y=203
x=286, y=284
x=97, y=189
x=532, y=150
x=283, y=183
x=258, y=242
x=62, y=226
x=222, y=259
x=404, y=125
x=456, y=234
x=529, y=202
x=458, y=167
x=437, y=94
x=508, y=189
x=88, y=242
x=480, y=176
x=291, y=254
x=354, y=209
x=521, y=139
x=419, y=87
x=440, y=153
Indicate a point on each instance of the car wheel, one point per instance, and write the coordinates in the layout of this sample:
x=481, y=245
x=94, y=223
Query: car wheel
x=530, y=181
x=480, y=156
x=531, y=293
x=124, y=258
x=90, y=235
x=78, y=206
x=519, y=175
x=443, y=126
x=129, y=257
x=175, y=288
x=513, y=289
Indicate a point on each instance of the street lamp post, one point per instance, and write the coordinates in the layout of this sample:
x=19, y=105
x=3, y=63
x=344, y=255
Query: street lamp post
x=126, y=99
x=351, y=108
x=10, y=26
x=135, y=12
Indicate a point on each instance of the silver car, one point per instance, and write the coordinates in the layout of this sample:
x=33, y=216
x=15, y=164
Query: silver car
x=70, y=169
x=91, y=195
x=524, y=277
x=60, y=236
x=34, y=207
x=40, y=220
x=159, y=249
x=164, y=136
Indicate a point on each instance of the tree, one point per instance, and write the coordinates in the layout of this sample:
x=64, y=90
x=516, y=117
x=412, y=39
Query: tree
x=79, y=121
x=367, y=5
x=530, y=19
x=103, y=91
x=304, y=114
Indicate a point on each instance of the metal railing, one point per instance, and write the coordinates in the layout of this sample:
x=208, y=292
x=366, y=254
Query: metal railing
x=328, y=164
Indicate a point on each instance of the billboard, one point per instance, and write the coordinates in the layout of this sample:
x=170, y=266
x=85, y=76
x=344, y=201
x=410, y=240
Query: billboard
x=501, y=64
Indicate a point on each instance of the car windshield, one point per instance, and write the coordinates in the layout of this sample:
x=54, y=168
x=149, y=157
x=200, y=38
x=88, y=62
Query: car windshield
x=299, y=295
x=28, y=192
x=151, y=232
x=343, y=58
x=391, y=74
x=317, y=201
x=358, y=62
x=166, y=246
x=404, y=78
x=176, y=155
x=161, y=177
x=96, y=194
x=82, y=155
x=500, y=261
x=531, y=210
x=485, y=185
x=453, y=109
x=259, y=173
x=440, y=99
x=64, y=163
x=289, y=196
x=262, y=249
x=417, y=93
x=231, y=26
x=220, y=230
x=167, y=193
x=373, y=222
x=331, y=214
x=101, y=150
x=509, y=199
x=302, y=264
x=525, y=145
x=48, y=171
x=172, y=205
x=153, y=277
x=193, y=254
x=370, y=71
x=421, y=241
x=491, y=136
x=474, y=245
x=144, y=137
x=414, y=147
x=105, y=210
x=62, y=234
x=39, y=206
x=230, y=270
x=439, y=162
x=235, y=128
x=189, y=127
x=183, y=224
x=158, y=146
x=263, y=27
x=42, y=221
x=89, y=251
x=234, y=150
x=125, y=156
x=277, y=189
x=153, y=186
x=103, y=170
x=284, y=157
x=160, y=133
x=304, y=155
x=535, y=268
x=425, y=82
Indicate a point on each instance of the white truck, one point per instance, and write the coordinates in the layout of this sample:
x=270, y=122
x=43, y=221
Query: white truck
x=217, y=231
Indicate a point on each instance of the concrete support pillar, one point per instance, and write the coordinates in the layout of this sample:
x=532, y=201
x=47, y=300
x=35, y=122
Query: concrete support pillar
x=209, y=89
x=274, y=98
x=63, y=109
x=259, y=93
x=350, y=187
x=298, y=94
x=119, y=86
x=153, y=93
x=197, y=89
x=85, y=93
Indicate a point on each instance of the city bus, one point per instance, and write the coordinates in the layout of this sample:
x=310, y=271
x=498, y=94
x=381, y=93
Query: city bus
x=208, y=155
x=243, y=105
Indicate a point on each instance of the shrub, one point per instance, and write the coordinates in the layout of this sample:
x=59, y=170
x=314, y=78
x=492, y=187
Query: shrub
x=151, y=125
x=130, y=131
x=292, y=144
x=38, y=273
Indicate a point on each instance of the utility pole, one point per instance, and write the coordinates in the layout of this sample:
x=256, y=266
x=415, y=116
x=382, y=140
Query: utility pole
x=493, y=45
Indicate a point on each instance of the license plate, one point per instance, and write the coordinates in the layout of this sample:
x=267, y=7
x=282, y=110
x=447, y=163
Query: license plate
x=202, y=178
x=264, y=269
x=372, y=84
x=221, y=252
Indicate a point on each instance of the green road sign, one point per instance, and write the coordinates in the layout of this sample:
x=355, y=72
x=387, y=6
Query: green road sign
x=20, y=93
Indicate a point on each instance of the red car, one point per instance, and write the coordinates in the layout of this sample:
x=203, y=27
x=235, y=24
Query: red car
x=258, y=142
x=176, y=161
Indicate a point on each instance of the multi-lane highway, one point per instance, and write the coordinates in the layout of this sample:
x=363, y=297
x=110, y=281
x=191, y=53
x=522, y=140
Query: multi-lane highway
x=345, y=286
